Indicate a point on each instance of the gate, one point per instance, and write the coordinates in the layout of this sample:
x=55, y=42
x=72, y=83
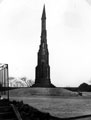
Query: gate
x=4, y=80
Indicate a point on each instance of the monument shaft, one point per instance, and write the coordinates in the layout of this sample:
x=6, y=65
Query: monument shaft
x=42, y=76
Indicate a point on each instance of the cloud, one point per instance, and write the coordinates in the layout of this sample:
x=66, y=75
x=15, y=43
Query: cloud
x=1, y=1
x=88, y=1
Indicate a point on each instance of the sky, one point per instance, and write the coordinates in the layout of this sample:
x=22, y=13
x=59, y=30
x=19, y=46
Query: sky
x=68, y=37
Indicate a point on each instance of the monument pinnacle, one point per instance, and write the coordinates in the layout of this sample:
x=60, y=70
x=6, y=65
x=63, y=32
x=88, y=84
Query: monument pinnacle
x=44, y=13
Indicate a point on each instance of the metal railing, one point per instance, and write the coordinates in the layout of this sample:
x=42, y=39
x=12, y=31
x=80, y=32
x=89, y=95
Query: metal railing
x=16, y=112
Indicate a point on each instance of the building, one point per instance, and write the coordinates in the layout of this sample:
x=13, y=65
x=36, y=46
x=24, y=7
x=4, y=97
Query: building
x=42, y=73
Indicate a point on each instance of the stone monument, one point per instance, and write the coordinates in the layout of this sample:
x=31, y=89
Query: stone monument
x=42, y=73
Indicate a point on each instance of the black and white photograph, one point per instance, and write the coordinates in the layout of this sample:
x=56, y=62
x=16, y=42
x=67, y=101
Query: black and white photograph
x=45, y=59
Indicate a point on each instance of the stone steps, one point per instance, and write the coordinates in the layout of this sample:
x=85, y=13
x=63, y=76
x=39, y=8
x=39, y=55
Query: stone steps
x=6, y=111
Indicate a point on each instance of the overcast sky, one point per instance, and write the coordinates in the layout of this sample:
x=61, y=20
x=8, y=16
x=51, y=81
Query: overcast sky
x=68, y=37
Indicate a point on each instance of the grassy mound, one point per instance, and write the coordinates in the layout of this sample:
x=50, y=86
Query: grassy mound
x=26, y=92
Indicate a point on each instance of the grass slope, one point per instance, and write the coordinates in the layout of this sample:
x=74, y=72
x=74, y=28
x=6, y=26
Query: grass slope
x=26, y=92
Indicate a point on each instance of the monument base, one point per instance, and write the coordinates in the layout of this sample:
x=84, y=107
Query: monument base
x=43, y=85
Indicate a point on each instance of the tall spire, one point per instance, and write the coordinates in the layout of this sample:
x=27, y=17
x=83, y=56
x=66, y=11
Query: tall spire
x=43, y=19
x=42, y=76
x=43, y=27
x=44, y=13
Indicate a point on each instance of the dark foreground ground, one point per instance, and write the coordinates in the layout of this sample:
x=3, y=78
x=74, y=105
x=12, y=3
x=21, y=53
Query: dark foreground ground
x=58, y=106
x=30, y=113
x=68, y=105
x=17, y=110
